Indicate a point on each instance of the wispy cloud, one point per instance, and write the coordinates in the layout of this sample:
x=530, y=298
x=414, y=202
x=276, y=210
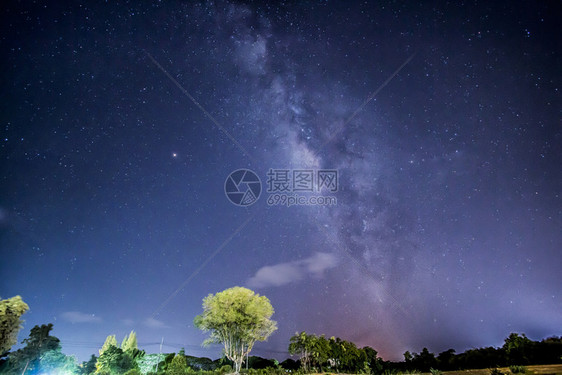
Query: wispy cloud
x=128, y=322
x=154, y=323
x=80, y=317
x=286, y=273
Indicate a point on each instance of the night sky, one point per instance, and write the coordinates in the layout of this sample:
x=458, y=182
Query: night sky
x=121, y=121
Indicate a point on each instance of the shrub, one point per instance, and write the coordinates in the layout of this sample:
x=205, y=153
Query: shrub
x=435, y=371
x=274, y=371
x=517, y=369
x=223, y=370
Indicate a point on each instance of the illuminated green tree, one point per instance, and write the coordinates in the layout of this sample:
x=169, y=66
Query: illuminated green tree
x=129, y=343
x=178, y=366
x=344, y=355
x=118, y=360
x=28, y=358
x=11, y=310
x=109, y=342
x=236, y=318
x=302, y=344
x=88, y=367
x=114, y=361
x=54, y=362
x=149, y=363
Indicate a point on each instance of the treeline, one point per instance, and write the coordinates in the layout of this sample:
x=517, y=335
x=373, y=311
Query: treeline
x=316, y=353
x=42, y=354
x=517, y=350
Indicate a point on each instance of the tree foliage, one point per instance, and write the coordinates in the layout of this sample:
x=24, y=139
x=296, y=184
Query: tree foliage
x=517, y=350
x=178, y=366
x=236, y=318
x=109, y=342
x=38, y=346
x=129, y=343
x=149, y=362
x=54, y=362
x=88, y=367
x=118, y=360
x=318, y=353
x=347, y=356
x=301, y=344
x=114, y=361
x=11, y=310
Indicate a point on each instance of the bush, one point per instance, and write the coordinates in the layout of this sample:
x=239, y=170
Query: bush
x=226, y=369
x=435, y=371
x=517, y=369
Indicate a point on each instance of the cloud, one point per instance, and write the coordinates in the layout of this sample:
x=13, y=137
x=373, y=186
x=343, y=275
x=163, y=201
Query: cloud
x=154, y=323
x=128, y=322
x=277, y=275
x=80, y=317
x=286, y=273
x=320, y=262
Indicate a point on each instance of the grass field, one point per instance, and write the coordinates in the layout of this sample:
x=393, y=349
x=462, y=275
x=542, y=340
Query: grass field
x=531, y=370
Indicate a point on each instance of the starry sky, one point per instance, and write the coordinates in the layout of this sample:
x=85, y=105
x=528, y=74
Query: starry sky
x=121, y=121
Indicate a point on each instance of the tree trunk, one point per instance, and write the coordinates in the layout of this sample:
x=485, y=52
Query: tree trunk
x=237, y=365
x=25, y=368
